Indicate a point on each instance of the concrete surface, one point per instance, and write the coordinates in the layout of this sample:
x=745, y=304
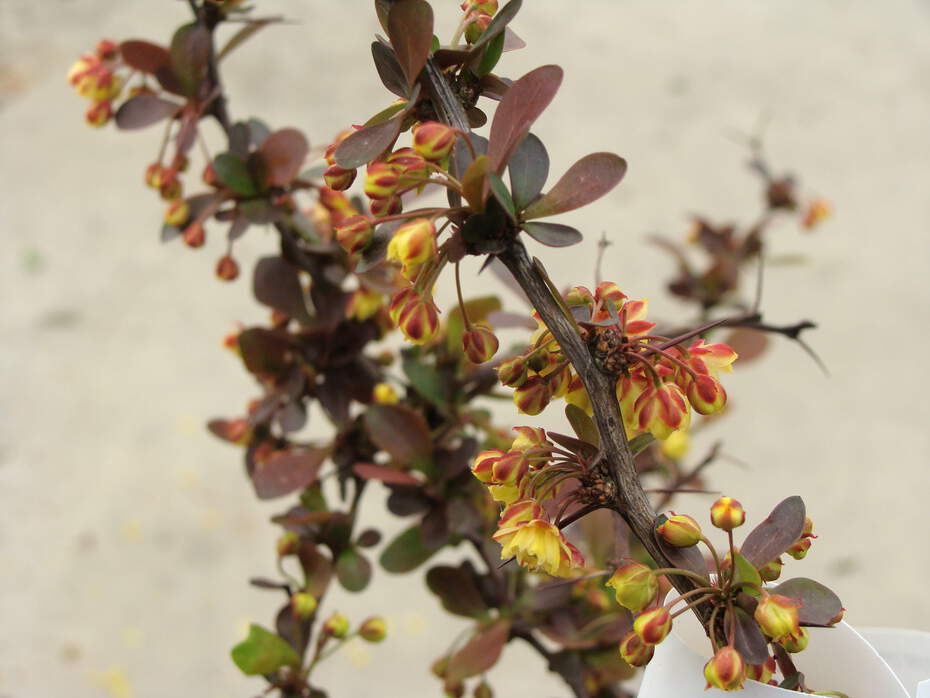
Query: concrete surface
x=127, y=533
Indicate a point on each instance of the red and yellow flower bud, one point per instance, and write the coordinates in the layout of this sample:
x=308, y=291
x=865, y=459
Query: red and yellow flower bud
x=726, y=670
x=476, y=27
x=106, y=49
x=519, y=512
x=391, y=206
x=777, y=615
x=796, y=643
x=483, y=467
x=433, y=141
x=512, y=372
x=634, y=585
x=816, y=213
x=330, y=154
x=373, y=629
x=80, y=69
x=533, y=396
x=479, y=344
x=169, y=185
x=194, y=235
x=288, y=543
x=209, y=176
x=662, y=410
x=634, y=651
x=528, y=438
x=653, y=626
x=489, y=6
x=337, y=626
x=706, y=394
x=381, y=180
x=413, y=245
x=354, y=233
x=303, y=605
x=772, y=570
x=98, y=114
x=761, y=672
x=227, y=268
x=629, y=389
x=177, y=213
x=680, y=530
x=153, y=175
x=418, y=319
x=711, y=358
x=726, y=513
x=799, y=548
x=338, y=178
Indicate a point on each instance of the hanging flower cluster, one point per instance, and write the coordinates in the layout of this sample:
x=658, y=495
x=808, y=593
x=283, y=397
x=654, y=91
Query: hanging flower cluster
x=94, y=76
x=527, y=480
x=659, y=380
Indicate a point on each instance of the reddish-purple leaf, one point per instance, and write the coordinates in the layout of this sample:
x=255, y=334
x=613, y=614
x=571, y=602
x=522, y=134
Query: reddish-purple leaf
x=520, y=106
x=276, y=284
x=819, y=604
x=776, y=534
x=400, y=431
x=579, y=446
x=480, y=653
x=553, y=234
x=384, y=473
x=586, y=181
x=749, y=344
x=318, y=569
x=144, y=110
x=145, y=56
x=389, y=70
x=264, y=352
x=283, y=153
x=288, y=472
x=456, y=589
x=528, y=169
x=190, y=56
x=749, y=640
x=368, y=143
x=410, y=28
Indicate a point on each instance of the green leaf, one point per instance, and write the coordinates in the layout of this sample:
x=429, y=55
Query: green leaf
x=491, y=55
x=744, y=571
x=353, y=570
x=583, y=425
x=586, y=181
x=243, y=34
x=499, y=190
x=406, y=552
x=263, y=652
x=232, y=171
x=528, y=169
x=425, y=379
x=497, y=25
x=640, y=443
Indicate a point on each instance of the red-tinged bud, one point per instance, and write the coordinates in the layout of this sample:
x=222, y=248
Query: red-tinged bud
x=816, y=213
x=512, y=372
x=479, y=344
x=227, y=268
x=419, y=320
x=106, y=49
x=799, y=548
x=653, y=626
x=209, y=176
x=391, y=206
x=676, y=446
x=98, y=114
x=726, y=670
x=180, y=162
x=761, y=672
x=661, y=410
x=706, y=394
x=727, y=513
x=680, y=530
x=169, y=185
x=194, y=235
x=482, y=690
x=381, y=180
x=489, y=6
x=177, y=213
x=337, y=626
x=153, y=174
x=398, y=301
x=711, y=358
x=433, y=141
x=81, y=68
x=288, y=543
x=413, y=245
x=354, y=234
x=510, y=468
x=339, y=178
x=528, y=438
x=303, y=605
x=373, y=629
x=808, y=530
x=238, y=431
x=777, y=615
x=634, y=651
x=634, y=585
x=476, y=27
x=533, y=396
x=796, y=643
x=771, y=571
x=520, y=511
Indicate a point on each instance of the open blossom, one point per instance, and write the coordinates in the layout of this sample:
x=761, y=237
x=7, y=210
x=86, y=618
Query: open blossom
x=538, y=546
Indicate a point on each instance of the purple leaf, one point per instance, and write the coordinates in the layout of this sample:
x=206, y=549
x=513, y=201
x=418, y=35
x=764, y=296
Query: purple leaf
x=749, y=640
x=553, y=234
x=456, y=589
x=528, y=169
x=190, y=56
x=410, y=28
x=389, y=70
x=284, y=473
x=586, y=181
x=400, y=431
x=520, y=106
x=145, y=56
x=368, y=143
x=283, y=153
x=385, y=473
x=480, y=653
x=276, y=284
x=819, y=604
x=776, y=534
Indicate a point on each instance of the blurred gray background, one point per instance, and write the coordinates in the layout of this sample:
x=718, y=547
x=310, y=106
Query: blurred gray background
x=127, y=533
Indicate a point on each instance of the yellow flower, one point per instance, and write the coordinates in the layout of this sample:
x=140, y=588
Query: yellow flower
x=539, y=546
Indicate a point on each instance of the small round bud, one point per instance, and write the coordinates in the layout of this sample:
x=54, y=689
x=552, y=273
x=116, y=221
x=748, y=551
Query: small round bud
x=532, y=396
x=512, y=372
x=706, y=395
x=194, y=235
x=476, y=28
x=634, y=651
x=390, y=206
x=418, y=318
x=227, y=268
x=303, y=605
x=209, y=176
x=381, y=180
x=726, y=670
x=761, y=672
x=98, y=114
x=106, y=49
x=339, y=178
x=653, y=626
x=354, y=233
x=777, y=615
x=677, y=445
x=169, y=186
x=772, y=570
x=384, y=394
x=153, y=175
x=680, y=530
x=177, y=213
x=796, y=643
x=483, y=466
x=816, y=213
x=727, y=513
x=483, y=690
x=373, y=629
x=288, y=543
x=433, y=141
x=413, y=244
x=634, y=585
x=337, y=626
x=479, y=344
